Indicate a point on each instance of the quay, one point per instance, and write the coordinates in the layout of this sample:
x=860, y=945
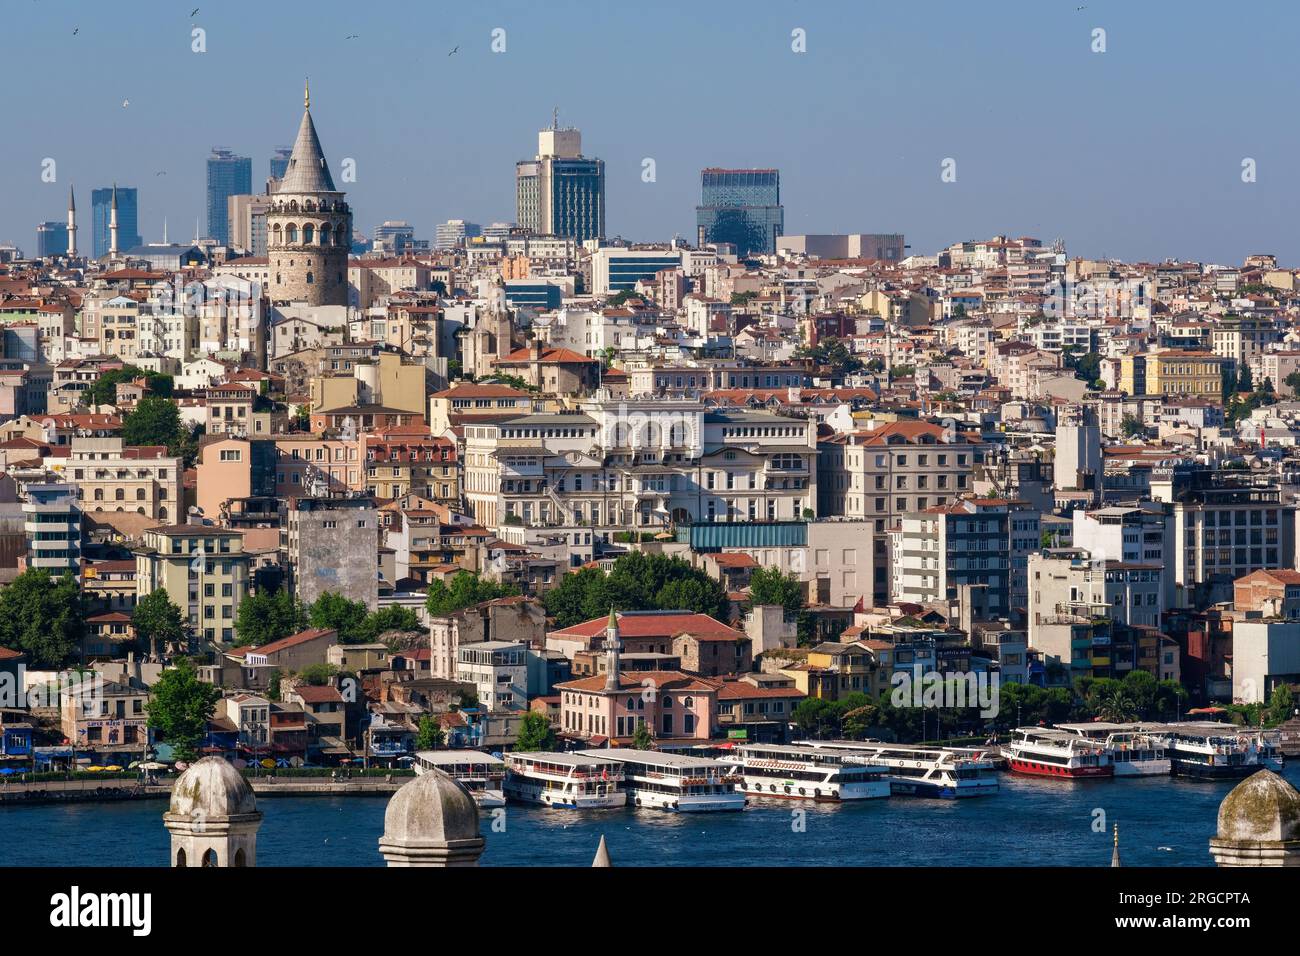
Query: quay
x=81, y=790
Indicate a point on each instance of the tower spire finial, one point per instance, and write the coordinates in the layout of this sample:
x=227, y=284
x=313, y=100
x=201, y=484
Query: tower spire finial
x=306, y=93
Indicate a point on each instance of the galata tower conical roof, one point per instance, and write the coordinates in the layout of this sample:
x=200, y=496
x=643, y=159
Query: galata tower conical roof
x=307, y=171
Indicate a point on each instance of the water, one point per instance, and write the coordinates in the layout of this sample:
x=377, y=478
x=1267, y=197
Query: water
x=1029, y=822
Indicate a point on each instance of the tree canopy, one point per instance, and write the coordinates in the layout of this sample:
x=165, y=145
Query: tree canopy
x=466, y=589
x=263, y=618
x=536, y=733
x=180, y=706
x=103, y=391
x=158, y=622
x=43, y=617
x=637, y=582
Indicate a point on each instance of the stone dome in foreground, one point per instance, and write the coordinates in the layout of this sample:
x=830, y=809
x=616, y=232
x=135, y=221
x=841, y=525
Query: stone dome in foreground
x=211, y=789
x=1262, y=807
x=431, y=821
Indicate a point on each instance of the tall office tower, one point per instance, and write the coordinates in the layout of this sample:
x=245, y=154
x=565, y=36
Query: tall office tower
x=101, y=204
x=560, y=192
x=228, y=175
x=309, y=226
x=454, y=232
x=741, y=207
x=280, y=161
x=393, y=237
x=51, y=238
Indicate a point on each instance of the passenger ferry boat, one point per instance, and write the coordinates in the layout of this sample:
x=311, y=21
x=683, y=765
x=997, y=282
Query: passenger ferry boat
x=1055, y=753
x=922, y=771
x=799, y=772
x=680, y=783
x=1133, y=751
x=1211, y=750
x=480, y=773
x=575, y=781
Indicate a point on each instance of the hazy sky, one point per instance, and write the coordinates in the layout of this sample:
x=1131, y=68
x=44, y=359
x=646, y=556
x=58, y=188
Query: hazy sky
x=1135, y=152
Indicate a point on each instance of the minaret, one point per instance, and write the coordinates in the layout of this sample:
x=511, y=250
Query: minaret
x=1114, y=854
x=72, y=224
x=112, y=224
x=611, y=652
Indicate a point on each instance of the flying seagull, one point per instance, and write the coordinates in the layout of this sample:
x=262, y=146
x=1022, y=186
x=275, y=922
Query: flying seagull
x=125, y=104
x=454, y=49
x=76, y=30
x=352, y=36
x=161, y=172
x=194, y=11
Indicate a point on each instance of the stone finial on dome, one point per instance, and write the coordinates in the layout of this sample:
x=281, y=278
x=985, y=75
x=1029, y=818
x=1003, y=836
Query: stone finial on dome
x=1259, y=823
x=432, y=821
x=213, y=817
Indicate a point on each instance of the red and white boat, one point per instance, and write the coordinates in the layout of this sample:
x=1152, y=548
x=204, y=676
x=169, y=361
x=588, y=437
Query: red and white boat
x=1055, y=753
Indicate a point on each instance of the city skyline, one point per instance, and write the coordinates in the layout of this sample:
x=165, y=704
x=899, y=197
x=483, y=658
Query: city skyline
x=1059, y=145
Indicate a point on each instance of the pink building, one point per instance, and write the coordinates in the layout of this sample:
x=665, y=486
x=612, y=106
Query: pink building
x=607, y=708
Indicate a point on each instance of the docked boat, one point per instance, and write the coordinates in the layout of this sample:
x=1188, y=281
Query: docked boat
x=923, y=771
x=574, y=781
x=481, y=774
x=679, y=783
x=799, y=772
x=1054, y=753
x=1133, y=751
x=1211, y=750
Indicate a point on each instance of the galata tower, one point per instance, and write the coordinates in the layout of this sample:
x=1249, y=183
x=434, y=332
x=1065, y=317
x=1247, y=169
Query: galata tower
x=309, y=227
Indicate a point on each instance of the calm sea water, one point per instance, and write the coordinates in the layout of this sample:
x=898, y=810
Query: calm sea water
x=1163, y=822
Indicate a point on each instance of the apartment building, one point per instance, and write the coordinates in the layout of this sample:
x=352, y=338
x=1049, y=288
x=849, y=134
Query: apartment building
x=1172, y=372
x=1068, y=585
x=52, y=525
x=204, y=571
x=332, y=544
x=113, y=477
x=411, y=461
x=883, y=473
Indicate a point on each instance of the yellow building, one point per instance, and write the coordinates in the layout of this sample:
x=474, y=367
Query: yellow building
x=204, y=571
x=1172, y=372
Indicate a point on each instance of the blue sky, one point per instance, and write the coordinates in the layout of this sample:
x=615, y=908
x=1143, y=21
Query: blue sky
x=1135, y=152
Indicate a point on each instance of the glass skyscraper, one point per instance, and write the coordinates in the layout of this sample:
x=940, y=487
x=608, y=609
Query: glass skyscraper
x=560, y=192
x=228, y=175
x=51, y=239
x=741, y=207
x=280, y=161
x=128, y=230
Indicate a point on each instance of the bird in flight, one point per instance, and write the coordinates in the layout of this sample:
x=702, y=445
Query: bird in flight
x=125, y=104
x=76, y=30
x=161, y=172
x=194, y=11
x=453, y=50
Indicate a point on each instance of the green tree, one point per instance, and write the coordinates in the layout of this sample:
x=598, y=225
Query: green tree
x=1245, y=380
x=42, y=617
x=642, y=739
x=1292, y=382
x=770, y=586
x=263, y=618
x=158, y=622
x=536, y=734
x=816, y=717
x=430, y=735
x=318, y=675
x=103, y=391
x=1281, y=705
x=180, y=706
x=392, y=617
x=273, y=685
x=153, y=421
x=466, y=589
x=1132, y=426
x=332, y=610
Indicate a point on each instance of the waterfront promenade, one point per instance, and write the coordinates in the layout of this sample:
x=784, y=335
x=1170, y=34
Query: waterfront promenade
x=88, y=789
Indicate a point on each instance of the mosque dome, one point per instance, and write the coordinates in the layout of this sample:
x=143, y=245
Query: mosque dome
x=1263, y=807
x=431, y=810
x=211, y=789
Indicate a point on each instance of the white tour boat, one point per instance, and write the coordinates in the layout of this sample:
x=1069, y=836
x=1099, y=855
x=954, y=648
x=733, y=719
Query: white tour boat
x=681, y=783
x=1207, y=749
x=1041, y=752
x=481, y=774
x=1133, y=751
x=923, y=771
x=798, y=772
x=575, y=781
